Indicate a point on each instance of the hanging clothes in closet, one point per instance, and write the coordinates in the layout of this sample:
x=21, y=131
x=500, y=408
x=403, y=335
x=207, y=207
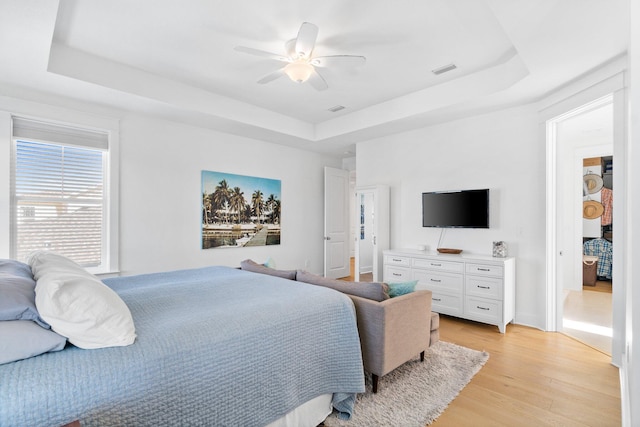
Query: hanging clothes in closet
x=607, y=202
x=603, y=249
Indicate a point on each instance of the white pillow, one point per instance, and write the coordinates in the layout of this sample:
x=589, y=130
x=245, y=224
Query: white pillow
x=78, y=305
x=43, y=262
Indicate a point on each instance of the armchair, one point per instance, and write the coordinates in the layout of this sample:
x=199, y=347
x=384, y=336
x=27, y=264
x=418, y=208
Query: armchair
x=394, y=331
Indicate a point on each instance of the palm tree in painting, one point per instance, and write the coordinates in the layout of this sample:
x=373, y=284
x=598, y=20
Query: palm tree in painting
x=247, y=211
x=275, y=212
x=220, y=196
x=258, y=203
x=237, y=202
x=206, y=208
x=269, y=205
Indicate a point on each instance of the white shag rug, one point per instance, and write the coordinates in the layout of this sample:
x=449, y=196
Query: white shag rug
x=416, y=393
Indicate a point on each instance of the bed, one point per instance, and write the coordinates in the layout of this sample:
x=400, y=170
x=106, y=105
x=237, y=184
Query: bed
x=214, y=346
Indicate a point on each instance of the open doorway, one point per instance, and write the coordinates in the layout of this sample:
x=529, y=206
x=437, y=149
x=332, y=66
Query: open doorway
x=588, y=311
x=584, y=148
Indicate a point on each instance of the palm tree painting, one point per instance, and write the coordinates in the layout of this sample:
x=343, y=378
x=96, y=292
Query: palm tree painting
x=239, y=210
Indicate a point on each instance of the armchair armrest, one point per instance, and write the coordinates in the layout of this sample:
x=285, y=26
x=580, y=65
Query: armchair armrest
x=393, y=331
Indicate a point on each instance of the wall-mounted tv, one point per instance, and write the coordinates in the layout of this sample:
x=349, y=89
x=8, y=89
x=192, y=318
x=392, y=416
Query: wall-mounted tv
x=456, y=209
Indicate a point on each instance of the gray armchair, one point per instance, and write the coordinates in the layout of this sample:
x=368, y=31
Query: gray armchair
x=394, y=331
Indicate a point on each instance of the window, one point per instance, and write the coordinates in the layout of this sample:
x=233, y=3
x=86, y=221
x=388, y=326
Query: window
x=59, y=192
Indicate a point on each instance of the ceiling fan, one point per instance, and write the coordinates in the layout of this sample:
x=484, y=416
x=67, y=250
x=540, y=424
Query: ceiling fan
x=301, y=64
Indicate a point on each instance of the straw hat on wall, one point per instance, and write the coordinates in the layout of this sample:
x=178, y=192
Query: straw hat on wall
x=592, y=209
x=593, y=182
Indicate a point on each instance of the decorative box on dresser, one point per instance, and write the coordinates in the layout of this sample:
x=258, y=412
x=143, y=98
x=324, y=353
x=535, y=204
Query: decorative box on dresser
x=474, y=287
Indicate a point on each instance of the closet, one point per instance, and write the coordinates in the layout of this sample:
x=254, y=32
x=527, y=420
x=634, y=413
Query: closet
x=597, y=219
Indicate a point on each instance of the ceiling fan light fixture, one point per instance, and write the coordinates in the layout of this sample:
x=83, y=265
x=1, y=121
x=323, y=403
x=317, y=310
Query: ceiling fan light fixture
x=299, y=71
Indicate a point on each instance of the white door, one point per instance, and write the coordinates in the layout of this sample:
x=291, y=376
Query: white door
x=372, y=208
x=336, y=223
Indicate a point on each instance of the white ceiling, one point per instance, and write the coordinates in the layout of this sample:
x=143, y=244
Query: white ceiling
x=177, y=59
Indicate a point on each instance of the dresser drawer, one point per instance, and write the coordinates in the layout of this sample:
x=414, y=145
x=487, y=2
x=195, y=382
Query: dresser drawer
x=485, y=270
x=446, y=304
x=484, y=310
x=439, y=281
x=396, y=274
x=436, y=264
x=487, y=287
x=397, y=260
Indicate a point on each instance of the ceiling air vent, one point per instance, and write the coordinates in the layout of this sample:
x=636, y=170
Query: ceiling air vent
x=336, y=108
x=444, y=69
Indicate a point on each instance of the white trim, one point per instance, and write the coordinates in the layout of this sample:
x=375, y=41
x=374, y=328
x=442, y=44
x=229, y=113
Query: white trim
x=5, y=177
x=621, y=225
x=551, y=320
x=553, y=306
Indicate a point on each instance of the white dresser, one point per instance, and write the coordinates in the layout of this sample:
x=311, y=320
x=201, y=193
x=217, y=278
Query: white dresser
x=474, y=287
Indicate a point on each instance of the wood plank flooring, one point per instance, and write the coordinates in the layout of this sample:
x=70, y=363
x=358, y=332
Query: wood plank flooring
x=532, y=378
x=588, y=317
x=601, y=286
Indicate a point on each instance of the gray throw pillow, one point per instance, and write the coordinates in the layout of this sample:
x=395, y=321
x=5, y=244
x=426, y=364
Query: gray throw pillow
x=250, y=265
x=376, y=291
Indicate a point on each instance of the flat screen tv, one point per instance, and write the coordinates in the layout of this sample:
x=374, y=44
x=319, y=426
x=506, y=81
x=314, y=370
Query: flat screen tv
x=456, y=209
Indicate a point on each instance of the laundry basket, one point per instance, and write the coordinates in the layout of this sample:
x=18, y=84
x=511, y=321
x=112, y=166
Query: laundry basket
x=589, y=269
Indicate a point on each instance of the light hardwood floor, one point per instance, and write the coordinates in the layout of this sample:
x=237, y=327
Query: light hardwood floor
x=532, y=378
x=588, y=316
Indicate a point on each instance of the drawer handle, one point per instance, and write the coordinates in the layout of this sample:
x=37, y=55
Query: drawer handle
x=484, y=269
x=436, y=299
x=482, y=308
x=435, y=265
x=484, y=287
x=436, y=280
x=397, y=274
x=397, y=260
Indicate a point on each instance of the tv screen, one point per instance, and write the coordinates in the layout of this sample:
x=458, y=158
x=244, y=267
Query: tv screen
x=457, y=209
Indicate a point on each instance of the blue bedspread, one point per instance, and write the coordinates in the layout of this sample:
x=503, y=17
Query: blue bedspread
x=216, y=346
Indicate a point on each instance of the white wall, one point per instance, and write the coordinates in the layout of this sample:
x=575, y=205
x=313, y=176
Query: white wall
x=500, y=151
x=161, y=164
x=160, y=189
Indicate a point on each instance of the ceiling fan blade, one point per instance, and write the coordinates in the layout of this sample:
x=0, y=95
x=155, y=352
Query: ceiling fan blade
x=272, y=76
x=338, y=60
x=306, y=40
x=261, y=53
x=317, y=81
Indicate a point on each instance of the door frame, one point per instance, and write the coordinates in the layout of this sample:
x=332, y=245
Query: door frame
x=611, y=90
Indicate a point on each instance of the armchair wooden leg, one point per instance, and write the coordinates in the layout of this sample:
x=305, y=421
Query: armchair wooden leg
x=374, y=383
x=422, y=356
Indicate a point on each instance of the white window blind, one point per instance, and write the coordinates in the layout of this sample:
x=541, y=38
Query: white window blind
x=59, y=192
